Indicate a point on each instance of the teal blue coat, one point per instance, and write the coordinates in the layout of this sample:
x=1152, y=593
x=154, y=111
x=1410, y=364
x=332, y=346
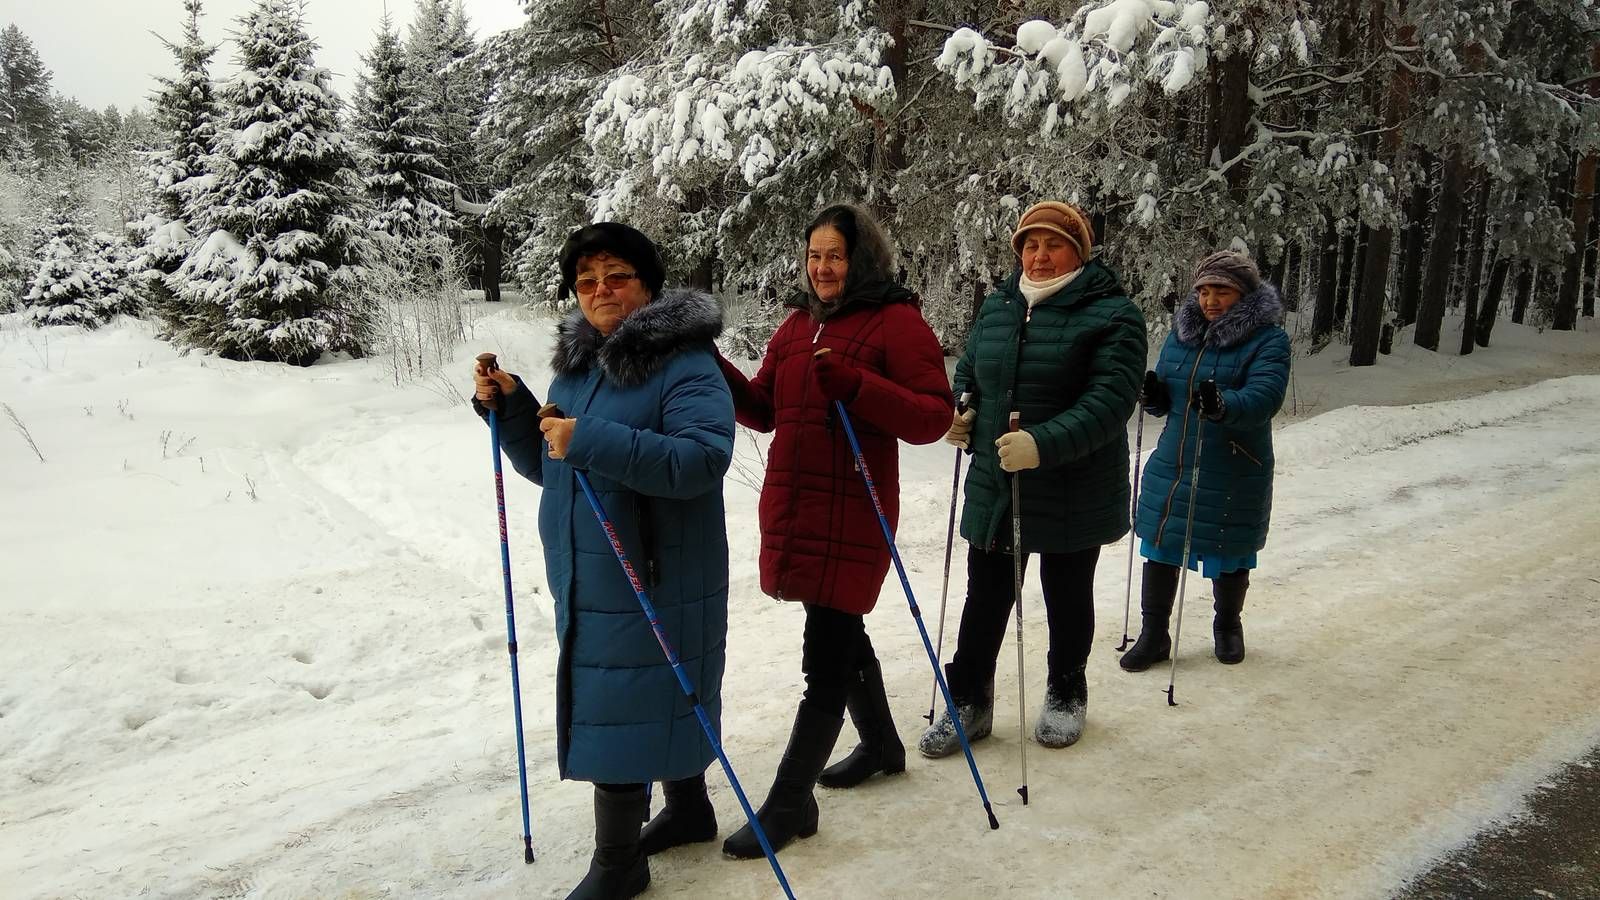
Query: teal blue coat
x=1246, y=353
x=655, y=434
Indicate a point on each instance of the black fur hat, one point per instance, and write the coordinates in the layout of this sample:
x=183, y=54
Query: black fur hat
x=618, y=240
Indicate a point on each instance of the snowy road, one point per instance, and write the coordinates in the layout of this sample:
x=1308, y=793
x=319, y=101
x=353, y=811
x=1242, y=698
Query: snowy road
x=305, y=694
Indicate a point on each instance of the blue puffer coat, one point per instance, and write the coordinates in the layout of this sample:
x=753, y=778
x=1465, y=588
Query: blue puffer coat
x=1246, y=353
x=655, y=435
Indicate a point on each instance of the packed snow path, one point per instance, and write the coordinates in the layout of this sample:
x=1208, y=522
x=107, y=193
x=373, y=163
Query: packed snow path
x=305, y=693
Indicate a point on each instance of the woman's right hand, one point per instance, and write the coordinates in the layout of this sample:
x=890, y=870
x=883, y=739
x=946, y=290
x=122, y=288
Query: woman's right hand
x=960, y=432
x=489, y=385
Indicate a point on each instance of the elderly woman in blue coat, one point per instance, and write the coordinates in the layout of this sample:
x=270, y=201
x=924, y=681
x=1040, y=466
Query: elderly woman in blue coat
x=650, y=419
x=1218, y=382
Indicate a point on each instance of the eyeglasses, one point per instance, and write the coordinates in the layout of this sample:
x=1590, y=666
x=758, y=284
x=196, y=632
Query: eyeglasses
x=616, y=281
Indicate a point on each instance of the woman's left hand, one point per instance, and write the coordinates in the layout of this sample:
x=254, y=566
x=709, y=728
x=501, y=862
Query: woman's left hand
x=558, y=434
x=1018, y=451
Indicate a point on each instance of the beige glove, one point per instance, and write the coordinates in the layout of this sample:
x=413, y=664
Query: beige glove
x=960, y=432
x=1018, y=451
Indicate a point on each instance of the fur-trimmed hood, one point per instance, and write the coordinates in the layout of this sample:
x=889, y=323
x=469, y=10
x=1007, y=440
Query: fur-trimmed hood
x=1259, y=308
x=678, y=319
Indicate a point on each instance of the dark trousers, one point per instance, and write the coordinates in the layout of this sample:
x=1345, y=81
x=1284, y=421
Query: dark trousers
x=1068, y=582
x=835, y=648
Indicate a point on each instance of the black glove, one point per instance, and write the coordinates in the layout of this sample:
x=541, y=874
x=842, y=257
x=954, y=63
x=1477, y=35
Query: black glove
x=1153, y=396
x=1209, y=400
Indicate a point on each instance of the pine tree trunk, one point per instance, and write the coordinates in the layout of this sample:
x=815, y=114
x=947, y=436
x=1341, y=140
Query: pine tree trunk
x=1347, y=271
x=1590, y=284
x=1473, y=274
x=1417, y=234
x=1327, y=283
x=1519, y=304
x=1566, y=311
x=1366, y=330
x=1441, y=250
x=493, y=239
x=1291, y=278
x=1491, y=300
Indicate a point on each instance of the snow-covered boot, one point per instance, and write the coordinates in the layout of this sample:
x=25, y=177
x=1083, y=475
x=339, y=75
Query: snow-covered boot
x=791, y=809
x=1155, y=612
x=880, y=749
x=619, y=868
x=977, y=720
x=1066, y=705
x=687, y=817
x=1227, y=630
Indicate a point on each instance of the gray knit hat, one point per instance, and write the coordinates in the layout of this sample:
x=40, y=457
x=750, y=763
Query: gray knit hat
x=1228, y=269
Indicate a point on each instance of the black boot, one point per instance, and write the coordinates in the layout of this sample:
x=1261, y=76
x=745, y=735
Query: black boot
x=1155, y=610
x=880, y=749
x=687, y=817
x=1226, y=628
x=791, y=809
x=619, y=868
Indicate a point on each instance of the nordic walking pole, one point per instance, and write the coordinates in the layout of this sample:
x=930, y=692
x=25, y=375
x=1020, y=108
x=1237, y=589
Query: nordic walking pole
x=949, y=549
x=916, y=611
x=1015, y=424
x=610, y=529
x=1133, y=514
x=488, y=363
x=1183, y=565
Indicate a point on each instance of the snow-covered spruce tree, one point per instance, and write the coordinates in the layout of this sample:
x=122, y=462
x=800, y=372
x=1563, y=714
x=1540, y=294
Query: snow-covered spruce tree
x=274, y=273
x=404, y=177
x=10, y=280
x=1156, y=116
x=726, y=152
x=28, y=122
x=184, y=112
x=544, y=77
x=112, y=262
x=63, y=290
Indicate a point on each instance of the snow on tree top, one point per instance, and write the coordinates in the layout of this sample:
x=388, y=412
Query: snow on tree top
x=1121, y=21
x=1033, y=36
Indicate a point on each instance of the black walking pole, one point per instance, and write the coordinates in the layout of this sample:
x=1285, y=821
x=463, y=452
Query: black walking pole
x=1015, y=424
x=1133, y=516
x=949, y=550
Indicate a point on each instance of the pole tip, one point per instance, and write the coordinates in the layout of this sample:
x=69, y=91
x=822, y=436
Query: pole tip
x=527, y=850
x=1170, y=701
x=994, y=824
x=1024, y=792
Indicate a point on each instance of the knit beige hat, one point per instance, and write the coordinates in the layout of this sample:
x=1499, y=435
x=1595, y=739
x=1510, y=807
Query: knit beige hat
x=1060, y=218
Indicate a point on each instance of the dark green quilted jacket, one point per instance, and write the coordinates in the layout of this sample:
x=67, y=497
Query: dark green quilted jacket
x=1072, y=368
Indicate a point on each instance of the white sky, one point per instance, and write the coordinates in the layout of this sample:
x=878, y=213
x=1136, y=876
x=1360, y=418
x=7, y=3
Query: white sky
x=104, y=52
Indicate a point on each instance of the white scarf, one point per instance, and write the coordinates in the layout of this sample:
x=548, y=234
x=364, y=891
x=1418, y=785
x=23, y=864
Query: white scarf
x=1034, y=291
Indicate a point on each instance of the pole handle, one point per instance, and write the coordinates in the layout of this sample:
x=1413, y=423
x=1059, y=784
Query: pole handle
x=551, y=411
x=489, y=363
x=964, y=402
x=1014, y=423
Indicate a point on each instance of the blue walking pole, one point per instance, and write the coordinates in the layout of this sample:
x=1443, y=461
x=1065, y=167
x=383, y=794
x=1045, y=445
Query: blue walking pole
x=487, y=361
x=550, y=409
x=916, y=612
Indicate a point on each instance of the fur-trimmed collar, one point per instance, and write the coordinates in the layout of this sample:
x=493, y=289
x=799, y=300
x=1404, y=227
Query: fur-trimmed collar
x=678, y=319
x=1259, y=308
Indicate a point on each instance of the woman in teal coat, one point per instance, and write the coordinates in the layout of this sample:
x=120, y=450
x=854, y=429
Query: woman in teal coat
x=1219, y=381
x=650, y=420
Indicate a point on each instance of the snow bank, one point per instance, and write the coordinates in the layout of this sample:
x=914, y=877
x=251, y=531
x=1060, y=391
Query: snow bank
x=1359, y=430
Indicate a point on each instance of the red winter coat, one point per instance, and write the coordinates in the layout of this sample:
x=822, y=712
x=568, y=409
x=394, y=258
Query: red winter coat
x=820, y=538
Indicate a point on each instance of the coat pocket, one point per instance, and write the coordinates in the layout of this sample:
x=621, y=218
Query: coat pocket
x=1238, y=449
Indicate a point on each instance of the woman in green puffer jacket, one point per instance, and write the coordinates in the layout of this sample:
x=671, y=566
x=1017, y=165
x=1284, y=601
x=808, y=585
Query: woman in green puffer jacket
x=1060, y=344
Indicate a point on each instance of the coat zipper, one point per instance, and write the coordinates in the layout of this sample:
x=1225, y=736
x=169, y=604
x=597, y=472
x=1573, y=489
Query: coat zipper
x=1011, y=395
x=1183, y=441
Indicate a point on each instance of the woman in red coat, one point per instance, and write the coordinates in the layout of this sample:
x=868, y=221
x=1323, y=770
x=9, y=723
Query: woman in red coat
x=820, y=540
